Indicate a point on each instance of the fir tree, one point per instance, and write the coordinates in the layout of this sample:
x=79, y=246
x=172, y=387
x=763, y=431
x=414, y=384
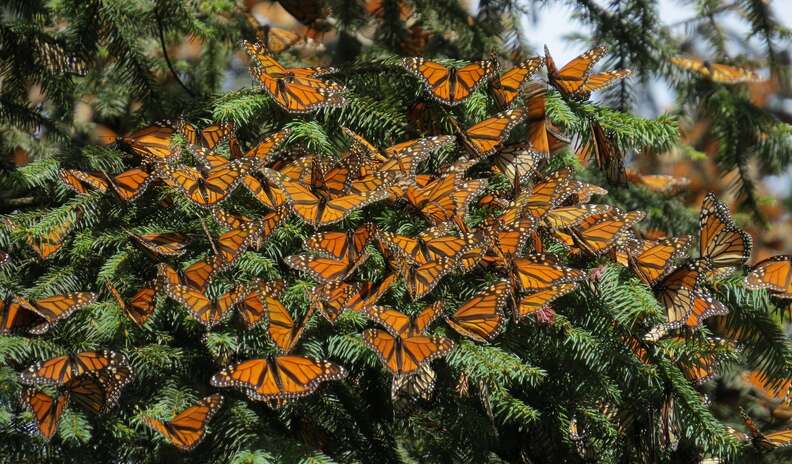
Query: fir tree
x=580, y=381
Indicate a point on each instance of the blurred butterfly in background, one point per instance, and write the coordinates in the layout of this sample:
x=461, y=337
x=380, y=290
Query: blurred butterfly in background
x=297, y=90
x=187, y=429
x=574, y=80
x=716, y=72
x=773, y=274
x=775, y=389
x=481, y=318
x=658, y=183
x=508, y=85
x=605, y=152
x=450, y=86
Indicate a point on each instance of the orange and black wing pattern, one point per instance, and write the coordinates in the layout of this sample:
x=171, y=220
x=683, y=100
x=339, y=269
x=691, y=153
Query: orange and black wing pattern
x=297, y=90
x=721, y=243
x=278, y=378
x=481, y=318
x=56, y=308
x=82, y=182
x=509, y=84
x=536, y=272
x=450, y=86
x=405, y=355
x=575, y=80
x=773, y=274
x=46, y=410
x=654, y=259
x=165, y=244
x=485, y=137
x=60, y=370
x=541, y=300
x=716, y=72
x=187, y=429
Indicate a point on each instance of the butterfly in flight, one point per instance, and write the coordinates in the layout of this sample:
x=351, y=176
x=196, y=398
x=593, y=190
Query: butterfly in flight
x=450, y=86
x=297, y=90
x=716, y=72
x=187, y=429
x=575, y=80
x=484, y=137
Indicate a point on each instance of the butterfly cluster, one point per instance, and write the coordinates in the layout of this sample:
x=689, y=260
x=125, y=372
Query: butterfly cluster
x=511, y=236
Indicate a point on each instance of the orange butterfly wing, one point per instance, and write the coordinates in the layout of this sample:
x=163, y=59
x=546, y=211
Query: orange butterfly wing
x=481, y=318
x=541, y=300
x=507, y=86
x=46, y=410
x=187, y=429
x=722, y=243
x=449, y=86
x=485, y=136
x=774, y=274
x=56, y=308
x=404, y=356
x=535, y=272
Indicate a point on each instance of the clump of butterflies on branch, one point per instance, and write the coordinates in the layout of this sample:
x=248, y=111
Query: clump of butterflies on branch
x=540, y=206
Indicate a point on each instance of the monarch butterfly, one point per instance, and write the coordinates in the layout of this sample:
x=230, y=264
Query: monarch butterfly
x=541, y=300
x=339, y=254
x=403, y=158
x=141, y=304
x=279, y=378
x=55, y=308
x=407, y=390
x=775, y=390
x=166, y=244
x=484, y=137
x=254, y=307
x=130, y=184
x=50, y=242
x=423, y=278
x=263, y=152
x=606, y=153
x=481, y=318
x=46, y=410
x=152, y=143
x=600, y=233
x=83, y=182
x=233, y=243
x=208, y=137
x=657, y=182
x=209, y=187
x=542, y=198
x=297, y=90
x=508, y=240
x=774, y=274
x=187, y=429
x=320, y=210
x=722, y=243
x=450, y=86
x=197, y=275
x=536, y=272
x=336, y=297
x=202, y=308
x=703, y=366
x=716, y=72
x=517, y=162
x=404, y=355
x=55, y=56
x=687, y=303
x=60, y=370
x=401, y=325
x=654, y=259
x=269, y=196
x=507, y=86
x=428, y=246
x=766, y=442
x=572, y=216
x=575, y=80
x=13, y=316
x=99, y=392
x=446, y=198
x=541, y=135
